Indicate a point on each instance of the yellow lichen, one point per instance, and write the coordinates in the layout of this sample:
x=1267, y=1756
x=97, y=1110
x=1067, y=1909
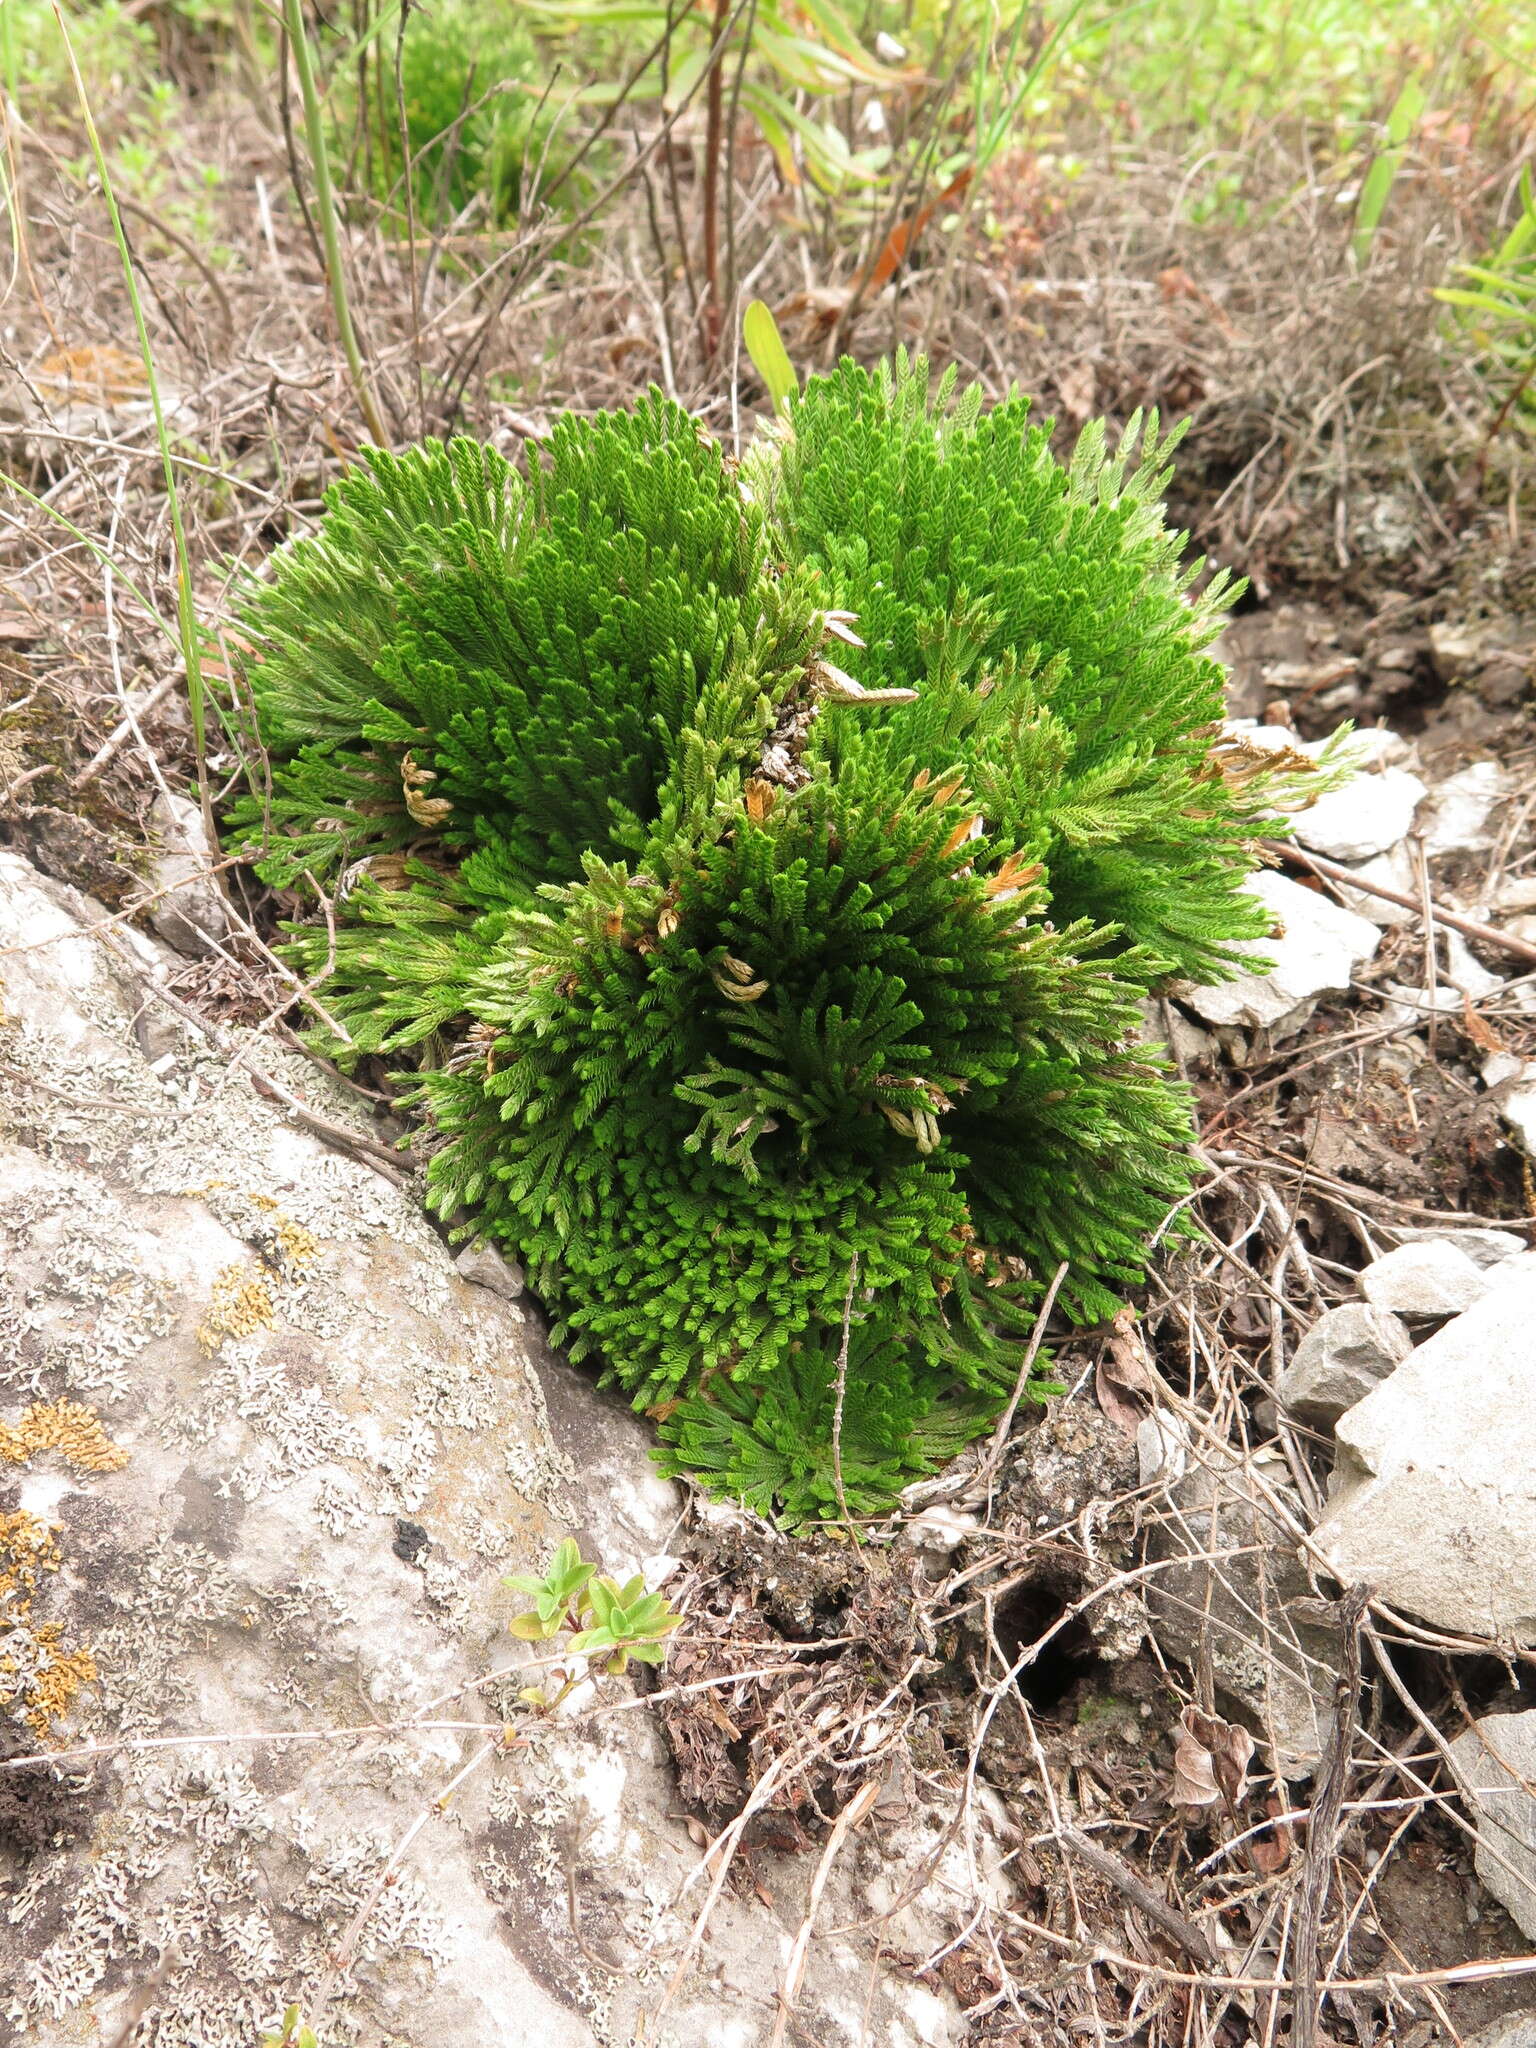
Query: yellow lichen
x=68, y=1427
x=287, y=1251
x=298, y=1248
x=290, y=1250
x=241, y=1305
x=52, y=1693
x=28, y=1548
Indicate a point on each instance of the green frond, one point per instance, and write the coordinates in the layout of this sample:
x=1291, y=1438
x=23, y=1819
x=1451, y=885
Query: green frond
x=741, y=962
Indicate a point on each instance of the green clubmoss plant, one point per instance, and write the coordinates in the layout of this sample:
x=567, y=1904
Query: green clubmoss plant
x=760, y=870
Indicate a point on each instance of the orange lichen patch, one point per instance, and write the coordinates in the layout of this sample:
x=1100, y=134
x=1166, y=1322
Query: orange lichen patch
x=52, y=1691
x=98, y=370
x=68, y=1427
x=241, y=1305
x=54, y=1676
x=28, y=1547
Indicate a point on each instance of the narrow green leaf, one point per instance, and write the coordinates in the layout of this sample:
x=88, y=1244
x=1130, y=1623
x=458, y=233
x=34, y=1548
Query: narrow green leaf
x=1382, y=175
x=770, y=358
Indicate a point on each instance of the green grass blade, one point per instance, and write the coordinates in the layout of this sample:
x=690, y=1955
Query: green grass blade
x=94, y=547
x=1382, y=175
x=325, y=206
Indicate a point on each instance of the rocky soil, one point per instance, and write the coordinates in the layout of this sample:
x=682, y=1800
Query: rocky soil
x=1091, y=1743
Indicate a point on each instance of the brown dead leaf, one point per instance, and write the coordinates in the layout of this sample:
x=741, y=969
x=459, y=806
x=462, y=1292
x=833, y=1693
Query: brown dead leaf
x=1271, y=1852
x=623, y=346
x=1123, y=1385
x=1210, y=1760
x=898, y=242
x=759, y=797
x=815, y=309
x=1077, y=389
x=1479, y=1030
x=1194, y=1774
x=1176, y=283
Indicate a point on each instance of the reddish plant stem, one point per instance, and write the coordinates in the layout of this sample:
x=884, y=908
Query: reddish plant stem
x=714, y=131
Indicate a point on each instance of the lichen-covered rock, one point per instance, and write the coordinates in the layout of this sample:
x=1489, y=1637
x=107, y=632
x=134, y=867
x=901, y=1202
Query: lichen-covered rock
x=265, y=1461
x=1233, y=1589
x=1434, y=1496
x=1494, y=1761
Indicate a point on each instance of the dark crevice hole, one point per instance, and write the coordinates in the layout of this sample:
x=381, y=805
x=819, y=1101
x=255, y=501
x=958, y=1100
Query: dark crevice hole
x=1050, y=1680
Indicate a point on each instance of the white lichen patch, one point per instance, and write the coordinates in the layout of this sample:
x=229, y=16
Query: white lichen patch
x=340, y=1503
x=86, y=1306
x=296, y=1427
x=404, y=1464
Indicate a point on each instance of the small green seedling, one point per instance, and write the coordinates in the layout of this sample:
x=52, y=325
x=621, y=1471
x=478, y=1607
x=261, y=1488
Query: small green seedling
x=630, y=1622
x=294, y=2033
x=770, y=358
x=605, y=1620
x=556, y=1596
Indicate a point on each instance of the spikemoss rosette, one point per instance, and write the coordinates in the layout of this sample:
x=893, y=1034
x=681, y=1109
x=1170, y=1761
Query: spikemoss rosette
x=783, y=1022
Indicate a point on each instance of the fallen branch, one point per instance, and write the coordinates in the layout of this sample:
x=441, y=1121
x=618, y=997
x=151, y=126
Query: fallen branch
x=1327, y=1811
x=1146, y=1901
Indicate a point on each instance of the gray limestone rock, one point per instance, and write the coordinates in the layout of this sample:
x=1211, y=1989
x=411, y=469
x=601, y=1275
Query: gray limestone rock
x=1518, y=1107
x=185, y=904
x=1434, y=1501
x=1234, y=1589
x=1364, y=817
x=1316, y=947
x=1395, y=869
x=1432, y=1278
x=1341, y=1358
x=1495, y=1766
x=1463, y=813
x=1484, y=1245
x=1519, y=1271
x=1514, y=2030
x=1457, y=649
x=283, y=1456
x=483, y=1266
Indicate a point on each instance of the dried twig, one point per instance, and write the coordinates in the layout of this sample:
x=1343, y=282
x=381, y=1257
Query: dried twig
x=1435, y=913
x=1327, y=1808
x=1176, y=1925
x=986, y=1473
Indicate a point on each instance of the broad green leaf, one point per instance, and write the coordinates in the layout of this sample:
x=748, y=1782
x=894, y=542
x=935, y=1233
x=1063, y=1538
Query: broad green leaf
x=774, y=133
